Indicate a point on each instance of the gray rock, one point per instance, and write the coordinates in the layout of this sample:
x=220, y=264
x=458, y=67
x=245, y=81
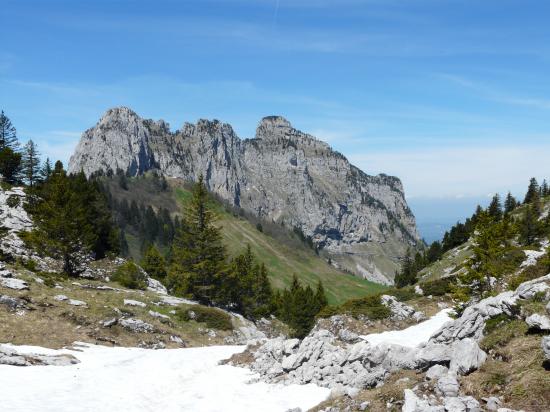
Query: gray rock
x=435, y=372
x=399, y=310
x=492, y=403
x=107, y=323
x=466, y=356
x=545, y=344
x=363, y=406
x=136, y=325
x=12, y=357
x=60, y=298
x=413, y=403
x=540, y=322
x=548, y=308
x=13, y=283
x=75, y=302
x=12, y=303
x=158, y=315
x=282, y=172
x=131, y=302
x=447, y=385
x=461, y=404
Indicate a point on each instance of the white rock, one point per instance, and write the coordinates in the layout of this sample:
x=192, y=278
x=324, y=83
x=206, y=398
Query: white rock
x=461, y=404
x=466, y=356
x=537, y=321
x=60, y=298
x=413, y=403
x=435, y=372
x=131, y=302
x=75, y=302
x=13, y=283
x=158, y=315
x=447, y=385
x=545, y=344
x=136, y=325
x=418, y=290
x=155, y=286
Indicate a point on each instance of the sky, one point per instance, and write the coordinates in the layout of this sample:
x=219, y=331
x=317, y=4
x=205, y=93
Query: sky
x=452, y=96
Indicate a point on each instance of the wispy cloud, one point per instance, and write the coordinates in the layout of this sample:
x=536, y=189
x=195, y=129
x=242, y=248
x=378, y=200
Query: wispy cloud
x=492, y=94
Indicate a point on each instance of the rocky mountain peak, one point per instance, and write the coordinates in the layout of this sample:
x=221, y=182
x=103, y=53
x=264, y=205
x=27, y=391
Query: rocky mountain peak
x=283, y=175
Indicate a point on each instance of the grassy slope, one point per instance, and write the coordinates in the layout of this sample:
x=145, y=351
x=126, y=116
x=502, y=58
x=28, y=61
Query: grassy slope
x=282, y=259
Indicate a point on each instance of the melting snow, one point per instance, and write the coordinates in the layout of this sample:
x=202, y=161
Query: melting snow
x=412, y=336
x=134, y=379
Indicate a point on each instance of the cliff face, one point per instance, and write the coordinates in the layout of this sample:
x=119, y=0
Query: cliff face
x=361, y=222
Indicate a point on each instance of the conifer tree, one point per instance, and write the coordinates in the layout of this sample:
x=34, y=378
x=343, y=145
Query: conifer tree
x=154, y=264
x=198, y=255
x=510, y=203
x=495, y=208
x=544, y=189
x=46, y=170
x=30, y=163
x=8, y=134
x=533, y=194
x=10, y=165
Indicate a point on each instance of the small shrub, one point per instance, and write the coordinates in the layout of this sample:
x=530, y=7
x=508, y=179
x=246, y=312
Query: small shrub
x=369, y=306
x=50, y=278
x=213, y=318
x=402, y=294
x=502, y=331
x=438, y=287
x=13, y=201
x=29, y=264
x=130, y=276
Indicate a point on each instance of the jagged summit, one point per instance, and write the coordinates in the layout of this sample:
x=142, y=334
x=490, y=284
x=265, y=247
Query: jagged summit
x=282, y=175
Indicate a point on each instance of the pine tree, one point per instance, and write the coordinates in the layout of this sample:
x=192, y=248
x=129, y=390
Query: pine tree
x=154, y=264
x=198, y=255
x=30, y=163
x=530, y=227
x=544, y=189
x=71, y=220
x=533, y=194
x=8, y=134
x=46, y=170
x=495, y=208
x=10, y=165
x=510, y=203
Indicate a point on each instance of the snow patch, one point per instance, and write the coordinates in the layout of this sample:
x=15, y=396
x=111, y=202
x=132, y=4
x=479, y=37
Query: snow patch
x=134, y=379
x=413, y=336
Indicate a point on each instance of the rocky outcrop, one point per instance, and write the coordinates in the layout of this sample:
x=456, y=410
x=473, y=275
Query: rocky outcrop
x=9, y=356
x=281, y=175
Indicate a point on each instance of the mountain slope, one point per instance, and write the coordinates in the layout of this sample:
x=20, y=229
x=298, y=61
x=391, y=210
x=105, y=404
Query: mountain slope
x=282, y=175
x=284, y=257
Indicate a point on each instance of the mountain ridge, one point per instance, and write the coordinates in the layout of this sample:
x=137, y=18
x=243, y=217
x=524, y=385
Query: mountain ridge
x=281, y=175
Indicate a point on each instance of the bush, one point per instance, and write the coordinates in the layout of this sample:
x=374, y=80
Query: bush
x=438, y=287
x=213, y=318
x=130, y=276
x=402, y=294
x=50, y=278
x=13, y=201
x=500, y=330
x=369, y=306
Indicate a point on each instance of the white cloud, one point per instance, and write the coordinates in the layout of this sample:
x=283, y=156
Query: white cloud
x=469, y=170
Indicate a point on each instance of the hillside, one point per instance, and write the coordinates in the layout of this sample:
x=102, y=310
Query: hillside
x=284, y=257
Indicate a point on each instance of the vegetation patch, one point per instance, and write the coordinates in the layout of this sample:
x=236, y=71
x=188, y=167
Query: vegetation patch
x=500, y=330
x=212, y=317
x=130, y=276
x=369, y=306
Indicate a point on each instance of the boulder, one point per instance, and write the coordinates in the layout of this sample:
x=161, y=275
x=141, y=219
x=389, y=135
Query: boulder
x=75, y=302
x=447, y=385
x=435, y=372
x=461, y=404
x=136, y=325
x=399, y=310
x=131, y=302
x=158, y=315
x=12, y=357
x=413, y=403
x=13, y=283
x=545, y=344
x=540, y=322
x=492, y=403
x=60, y=298
x=466, y=356
x=12, y=303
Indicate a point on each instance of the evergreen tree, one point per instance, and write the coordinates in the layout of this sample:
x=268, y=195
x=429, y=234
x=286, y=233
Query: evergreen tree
x=544, y=189
x=530, y=228
x=8, y=134
x=495, y=208
x=198, y=256
x=510, y=203
x=71, y=220
x=30, y=163
x=533, y=194
x=10, y=165
x=154, y=264
x=407, y=274
x=46, y=170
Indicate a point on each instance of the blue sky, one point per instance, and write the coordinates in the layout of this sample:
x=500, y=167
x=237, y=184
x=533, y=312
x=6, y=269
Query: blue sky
x=451, y=96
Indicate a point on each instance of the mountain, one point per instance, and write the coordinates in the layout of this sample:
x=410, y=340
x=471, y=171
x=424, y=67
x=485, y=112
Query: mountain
x=361, y=223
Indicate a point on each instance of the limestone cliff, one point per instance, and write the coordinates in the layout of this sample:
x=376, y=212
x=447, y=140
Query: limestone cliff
x=361, y=222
